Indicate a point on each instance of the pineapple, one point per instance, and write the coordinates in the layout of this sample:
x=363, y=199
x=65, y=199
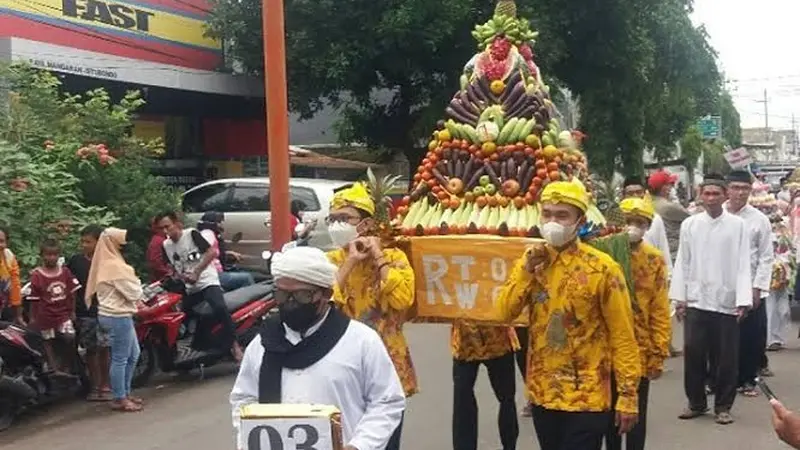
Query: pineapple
x=605, y=193
x=380, y=190
x=505, y=8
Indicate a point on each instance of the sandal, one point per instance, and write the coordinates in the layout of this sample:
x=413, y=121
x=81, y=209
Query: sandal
x=125, y=406
x=775, y=347
x=723, y=418
x=138, y=400
x=99, y=396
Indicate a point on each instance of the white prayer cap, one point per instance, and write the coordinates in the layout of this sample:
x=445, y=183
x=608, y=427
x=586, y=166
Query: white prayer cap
x=307, y=264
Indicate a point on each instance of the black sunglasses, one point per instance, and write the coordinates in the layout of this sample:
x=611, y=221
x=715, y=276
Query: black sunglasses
x=302, y=296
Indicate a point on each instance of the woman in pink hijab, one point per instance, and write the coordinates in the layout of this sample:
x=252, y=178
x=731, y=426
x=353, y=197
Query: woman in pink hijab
x=118, y=291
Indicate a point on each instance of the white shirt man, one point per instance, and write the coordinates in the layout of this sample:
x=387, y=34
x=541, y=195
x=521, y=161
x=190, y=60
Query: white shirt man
x=712, y=286
x=314, y=354
x=753, y=329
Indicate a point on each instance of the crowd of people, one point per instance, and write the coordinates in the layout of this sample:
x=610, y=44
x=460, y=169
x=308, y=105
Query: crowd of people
x=592, y=346
x=90, y=299
x=588, y=355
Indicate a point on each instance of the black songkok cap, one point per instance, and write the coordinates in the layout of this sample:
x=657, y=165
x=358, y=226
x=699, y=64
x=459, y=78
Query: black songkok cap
x=739, y=176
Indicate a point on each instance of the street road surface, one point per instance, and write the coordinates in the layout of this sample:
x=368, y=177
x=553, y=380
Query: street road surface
x=194, y=414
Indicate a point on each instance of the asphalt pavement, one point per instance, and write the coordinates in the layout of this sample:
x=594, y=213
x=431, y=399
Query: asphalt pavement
x=194, y=414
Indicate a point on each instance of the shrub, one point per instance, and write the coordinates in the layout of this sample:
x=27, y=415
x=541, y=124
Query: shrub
x=87, y=166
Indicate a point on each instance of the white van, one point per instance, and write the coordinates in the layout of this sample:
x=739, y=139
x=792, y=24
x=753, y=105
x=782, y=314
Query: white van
x=245, y=202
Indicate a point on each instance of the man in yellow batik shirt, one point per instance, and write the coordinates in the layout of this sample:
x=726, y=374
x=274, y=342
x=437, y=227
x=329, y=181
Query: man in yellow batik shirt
x=651, y=315
x=374, y=285
x=494, y=347
x=581, y=328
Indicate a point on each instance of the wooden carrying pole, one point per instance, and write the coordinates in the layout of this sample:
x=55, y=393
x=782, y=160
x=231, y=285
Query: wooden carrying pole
x=277, y=116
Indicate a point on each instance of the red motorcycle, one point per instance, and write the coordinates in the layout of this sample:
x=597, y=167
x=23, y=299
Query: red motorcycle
x=175, y=340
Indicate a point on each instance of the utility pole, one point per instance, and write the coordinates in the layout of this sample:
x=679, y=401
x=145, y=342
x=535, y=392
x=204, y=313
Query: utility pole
x=766, y=113
x=794, y=136
x=766, y=119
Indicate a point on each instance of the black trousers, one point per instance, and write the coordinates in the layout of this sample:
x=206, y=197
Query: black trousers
x=465, y=406
x=635, y=438
x=710, y=336
x=752, y=344
x=394, y=441
x=213, y=295
x=522, y=354
x=561, y=430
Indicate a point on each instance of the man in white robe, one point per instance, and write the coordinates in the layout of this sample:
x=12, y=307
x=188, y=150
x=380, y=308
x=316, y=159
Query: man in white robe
x=312, y=353
x=712, y=288
x=753, y=328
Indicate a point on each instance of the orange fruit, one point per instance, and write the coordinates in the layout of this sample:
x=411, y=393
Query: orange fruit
x=497, y=87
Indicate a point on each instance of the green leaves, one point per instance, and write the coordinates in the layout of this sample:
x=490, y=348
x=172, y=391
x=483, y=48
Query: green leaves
x=69, y=160
x=640, y=69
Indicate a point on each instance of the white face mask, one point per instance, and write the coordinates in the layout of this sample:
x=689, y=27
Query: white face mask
x=635, y=234
x=342, y=233
x=556, y=234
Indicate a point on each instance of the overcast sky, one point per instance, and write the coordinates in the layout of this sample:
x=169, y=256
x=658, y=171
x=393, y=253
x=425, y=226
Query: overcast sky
x=757, y=42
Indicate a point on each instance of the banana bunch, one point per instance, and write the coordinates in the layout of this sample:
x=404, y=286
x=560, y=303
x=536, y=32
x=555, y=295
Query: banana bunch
x=515, y=130
x=497, y=25
x=550, y=136
x=461, y=131
x=524, y=33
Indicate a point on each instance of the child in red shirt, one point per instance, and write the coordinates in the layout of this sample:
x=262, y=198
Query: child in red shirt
x=53, y=290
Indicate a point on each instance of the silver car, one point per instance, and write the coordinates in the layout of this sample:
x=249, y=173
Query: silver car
x=245, y=202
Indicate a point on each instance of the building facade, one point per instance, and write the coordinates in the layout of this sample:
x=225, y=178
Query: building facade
x=208, y=117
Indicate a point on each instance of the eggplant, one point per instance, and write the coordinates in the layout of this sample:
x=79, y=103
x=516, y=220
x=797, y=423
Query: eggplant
x=458, y=169
x=438, y=175
x=496, y=167
x=460, y=108
x=461, y=118
x=467, y=103
x=475, y=178
x=442, y=168
x=474, y=91
x=503, y=172
x=467, y=172
x=512, y=96
x=451, y=168
x=528, y=178
x=420, y=190
x=518, y=104
x=527, y=112
x=523, y=168
x=511, y=168
x=492, y=174
x=483, y=84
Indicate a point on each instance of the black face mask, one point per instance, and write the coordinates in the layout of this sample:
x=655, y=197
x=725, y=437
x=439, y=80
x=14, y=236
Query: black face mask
x=297, y=315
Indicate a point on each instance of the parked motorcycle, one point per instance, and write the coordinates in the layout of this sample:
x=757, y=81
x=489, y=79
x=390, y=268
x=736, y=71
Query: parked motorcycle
x=173, y=339
x=24, y=380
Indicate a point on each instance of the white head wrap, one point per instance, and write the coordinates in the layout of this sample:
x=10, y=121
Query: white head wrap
x=307, y=264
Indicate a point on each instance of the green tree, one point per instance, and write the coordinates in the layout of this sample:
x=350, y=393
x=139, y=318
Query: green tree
x=639, y=68
x=84, y=164
x=731, y=122
x=390, y=66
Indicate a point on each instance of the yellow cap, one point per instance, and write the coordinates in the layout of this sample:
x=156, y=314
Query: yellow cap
x=356, y=196
x=637, y=207
x=566, y=192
